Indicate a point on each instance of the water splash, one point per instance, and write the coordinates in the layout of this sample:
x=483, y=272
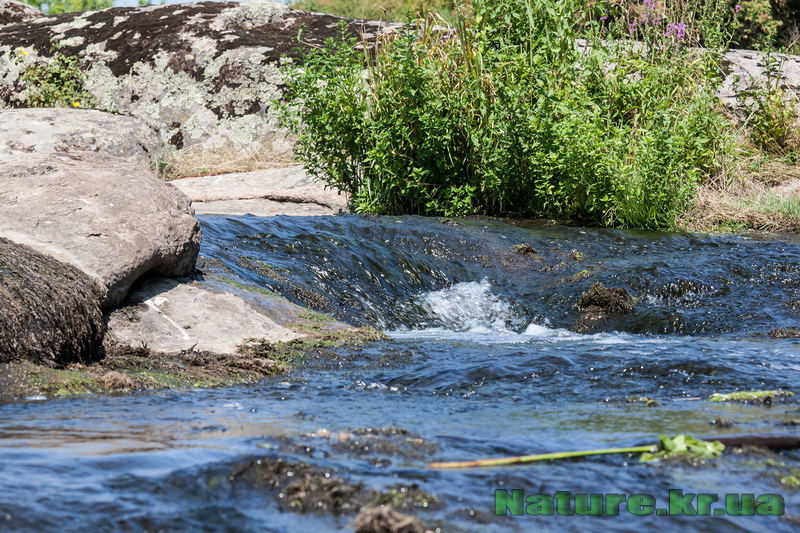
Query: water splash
x=466, y=307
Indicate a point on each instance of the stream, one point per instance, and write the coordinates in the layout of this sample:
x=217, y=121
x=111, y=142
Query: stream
x=487, y=356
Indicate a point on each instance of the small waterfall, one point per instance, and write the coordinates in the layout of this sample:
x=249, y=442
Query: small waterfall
x=464, y=307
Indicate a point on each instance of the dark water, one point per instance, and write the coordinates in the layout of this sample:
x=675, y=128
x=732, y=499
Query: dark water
x=483, y=362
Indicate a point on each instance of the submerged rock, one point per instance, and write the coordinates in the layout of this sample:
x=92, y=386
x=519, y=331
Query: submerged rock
x=49, y=310
x=385, y=519
x=766, y=397
x=785, y=333
x=109, y=218
x=48, y=130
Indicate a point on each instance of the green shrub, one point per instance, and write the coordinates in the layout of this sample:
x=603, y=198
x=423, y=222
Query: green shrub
x=57, y=81
x=504, y=115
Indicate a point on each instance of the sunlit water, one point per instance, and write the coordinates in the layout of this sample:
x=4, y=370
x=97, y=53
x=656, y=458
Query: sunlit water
x=483, y=361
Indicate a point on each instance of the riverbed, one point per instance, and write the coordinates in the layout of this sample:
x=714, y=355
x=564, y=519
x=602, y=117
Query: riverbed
x=487, y=356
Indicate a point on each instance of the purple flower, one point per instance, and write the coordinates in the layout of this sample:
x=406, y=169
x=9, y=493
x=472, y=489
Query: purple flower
x=676, y=31
x=736, y=8
x=632, y=27
x=604, y=18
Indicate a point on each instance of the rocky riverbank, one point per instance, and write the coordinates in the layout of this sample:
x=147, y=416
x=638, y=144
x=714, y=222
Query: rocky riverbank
x=99, y=283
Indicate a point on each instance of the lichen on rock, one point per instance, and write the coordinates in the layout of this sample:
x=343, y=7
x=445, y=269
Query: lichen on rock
x=204, y=73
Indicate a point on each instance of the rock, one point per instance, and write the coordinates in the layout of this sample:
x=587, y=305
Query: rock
x=205, y=72
x=109, y=218
x=524, y=249
x=50, y=310
x=600, y=299
x=12, y=12
x=785, y=333
x=385, y=519
x=168, y=316
x=602, y=308
x=278, y=191
x=48, y=130
x=748, y=69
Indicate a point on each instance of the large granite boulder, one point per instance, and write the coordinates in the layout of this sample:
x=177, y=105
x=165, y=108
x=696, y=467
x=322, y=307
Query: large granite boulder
x=112, y=219
x=205, y=73
x=49, y=311
x=46, y=130
x=12, y=11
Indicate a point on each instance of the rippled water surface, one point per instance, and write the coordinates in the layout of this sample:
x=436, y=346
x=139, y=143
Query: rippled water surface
x=484, y=360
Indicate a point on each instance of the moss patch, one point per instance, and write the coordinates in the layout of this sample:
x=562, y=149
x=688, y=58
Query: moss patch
x=764, y=396
x=126, y=369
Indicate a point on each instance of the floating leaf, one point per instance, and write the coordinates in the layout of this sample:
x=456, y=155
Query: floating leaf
x=684, y=446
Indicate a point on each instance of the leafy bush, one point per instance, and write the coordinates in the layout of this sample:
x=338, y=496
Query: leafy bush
x=504, y=115
x=57, y=81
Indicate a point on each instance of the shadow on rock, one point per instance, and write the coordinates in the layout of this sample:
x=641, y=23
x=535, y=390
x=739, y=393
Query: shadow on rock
x=50, y=310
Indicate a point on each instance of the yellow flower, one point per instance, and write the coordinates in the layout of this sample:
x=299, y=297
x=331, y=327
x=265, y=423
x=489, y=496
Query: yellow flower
x=76, y=104
x=23, y=51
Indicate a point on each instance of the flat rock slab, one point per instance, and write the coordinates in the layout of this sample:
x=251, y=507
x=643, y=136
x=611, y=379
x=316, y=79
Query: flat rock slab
x=169, y=316
x=111, y=219
x=47, y=130
x=275, y=191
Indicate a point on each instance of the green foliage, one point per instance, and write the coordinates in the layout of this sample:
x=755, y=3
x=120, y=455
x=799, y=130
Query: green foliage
x=504, y=115
x=54, y=7
x=57, y=81
x=684, y=446
x=757, y=25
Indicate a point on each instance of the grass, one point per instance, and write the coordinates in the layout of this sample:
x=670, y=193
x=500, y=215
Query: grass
x=198, y=161
x=763, y=195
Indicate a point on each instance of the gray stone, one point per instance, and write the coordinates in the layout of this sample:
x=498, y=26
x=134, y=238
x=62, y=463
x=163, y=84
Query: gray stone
x=205, y=72
x=49, y=311
x=268, y=192
x=12, y=11
x=111, y=219
x=748, y=70
x=48, y=130
x=168, y=316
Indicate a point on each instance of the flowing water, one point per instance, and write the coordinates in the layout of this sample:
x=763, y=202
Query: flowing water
x=484, y=359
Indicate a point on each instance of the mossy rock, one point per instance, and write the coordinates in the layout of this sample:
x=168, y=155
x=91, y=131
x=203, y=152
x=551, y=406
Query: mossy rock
x=601, y=299
x=764, y=396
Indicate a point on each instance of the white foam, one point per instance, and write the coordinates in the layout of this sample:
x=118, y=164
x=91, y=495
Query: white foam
x=469, y=306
